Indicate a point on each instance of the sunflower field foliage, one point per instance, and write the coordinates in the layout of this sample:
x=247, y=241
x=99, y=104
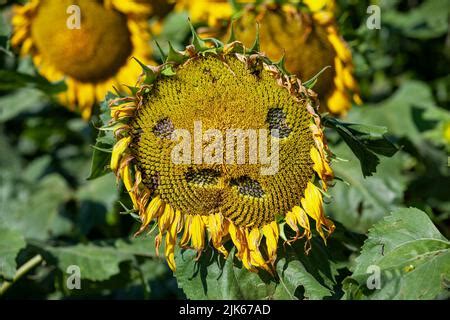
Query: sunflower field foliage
x=350, y=200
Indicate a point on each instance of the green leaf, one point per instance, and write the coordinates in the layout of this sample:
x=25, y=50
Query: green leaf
x=99, y=262
x=143, y=246
x=101, y=157
x=293, y=275
x=150, y=74
x=359, y=202
x=100, y=190
x=5, y=32
x=408, y=113
x=174, y=56
x=365, y=142
x=213, y=277
x=11, y=242
x=175, y=29
x=97, y=199
x=427, y=21
x=23, y=100
x=314, y=274
x=100, y=160
x=256, y=43
x=312, y=82
x=96, y=262
x=411, y=254
x=10, y=80
x=438, y=135
x=36, y=212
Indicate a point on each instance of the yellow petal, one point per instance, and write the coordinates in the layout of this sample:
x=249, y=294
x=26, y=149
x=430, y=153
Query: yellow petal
x=338, y=102
x=241, y=243
x=339, y=83
x=357, y=99
x=312, y=203
x=118, y=149
x=123, y=110
x=447, y=133
x=246, y=260
x=165, y=219
x=253, y=240
x=235, y=236
x=315, y=5
x=152, y=211
x=302, y=220
x=340, y=46
x=321, y=166
x=323, y=17
x=349, y=80
x=187, y=231
x=271, y=233
x=171, y=239
x=218, y=228
x=129, y=185
x=291, y=220
x=198, y=233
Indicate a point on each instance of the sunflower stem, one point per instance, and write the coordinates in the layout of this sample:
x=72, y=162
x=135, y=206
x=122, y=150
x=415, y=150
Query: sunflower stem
x=23, y=270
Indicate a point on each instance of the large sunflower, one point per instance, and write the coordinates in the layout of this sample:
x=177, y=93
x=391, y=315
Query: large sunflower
x=93, y=58
x=306, y=33
x=209, y=91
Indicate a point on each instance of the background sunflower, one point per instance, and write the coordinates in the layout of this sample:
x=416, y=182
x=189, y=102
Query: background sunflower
x=59, y=206
x=305, y=33
x=92, y=58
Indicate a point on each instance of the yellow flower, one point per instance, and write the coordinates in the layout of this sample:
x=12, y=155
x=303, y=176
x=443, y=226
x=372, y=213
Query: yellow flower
x=208, y=93
x=92, y=51
x=310, y=41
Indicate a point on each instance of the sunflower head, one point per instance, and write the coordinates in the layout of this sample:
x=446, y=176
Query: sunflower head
x=89, y=44
x=305, y=33
x=218, y=144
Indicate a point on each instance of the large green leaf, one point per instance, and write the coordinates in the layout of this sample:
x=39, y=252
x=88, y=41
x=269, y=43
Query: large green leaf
x=5, y=30
x=406, y=114
x=101, y=190
x=299, y=276
x=11, y=242
x=97, y=200
x=35, y=209
x=99, y=262
x=13, y=104
x=212, y=277
x=96, y=262
x=358, y=202
x=365, y=141
x=143, y=246
x=294, y=275
x=10, y=80
x=429, y=20
x=411, y=254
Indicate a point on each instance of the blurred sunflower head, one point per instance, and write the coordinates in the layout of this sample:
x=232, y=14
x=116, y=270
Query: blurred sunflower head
x=94, y=55
x=306, y=33
x=203, y=93
x=215, y=13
